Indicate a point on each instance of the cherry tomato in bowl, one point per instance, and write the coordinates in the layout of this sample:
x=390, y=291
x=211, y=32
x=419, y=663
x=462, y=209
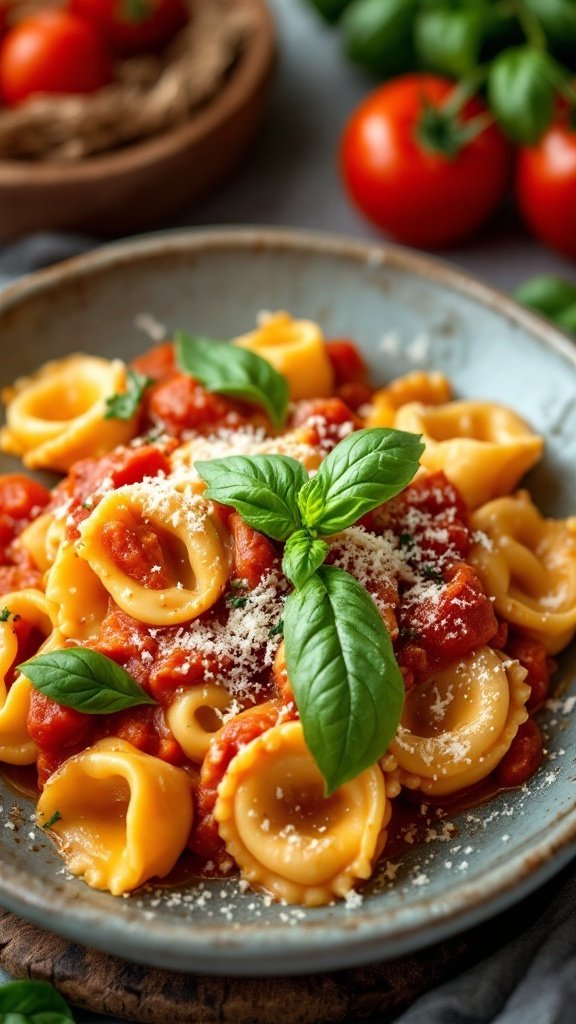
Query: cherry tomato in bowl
x=133, y=26
x=546, y=186
x=428, y=175
x=53, y=51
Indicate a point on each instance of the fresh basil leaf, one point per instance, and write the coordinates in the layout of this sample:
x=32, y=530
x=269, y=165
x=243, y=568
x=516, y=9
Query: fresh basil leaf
x=262, y=488
x=365, y=469
x=522, y=84
x=237, y=372
x=348, y=688
x=449, y=40
x=84, y=680
x=44, y=1017
x=377, y=35
x=31, y=998
x=124, y=406
x=303, y=555
x=547, y=294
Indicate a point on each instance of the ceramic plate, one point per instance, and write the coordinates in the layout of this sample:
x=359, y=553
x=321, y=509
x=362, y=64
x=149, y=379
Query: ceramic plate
x=405, y=311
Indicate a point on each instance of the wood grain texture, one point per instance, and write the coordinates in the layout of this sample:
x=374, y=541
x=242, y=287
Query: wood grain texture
x=105, y=984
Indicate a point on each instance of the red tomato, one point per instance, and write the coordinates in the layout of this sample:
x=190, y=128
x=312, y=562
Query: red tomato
x=131, y=26
x=546, y=186
x=420, y=195
x=52, y=52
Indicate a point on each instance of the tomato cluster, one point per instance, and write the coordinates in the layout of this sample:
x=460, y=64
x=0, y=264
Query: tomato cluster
x=430, y=167
x=71, y=49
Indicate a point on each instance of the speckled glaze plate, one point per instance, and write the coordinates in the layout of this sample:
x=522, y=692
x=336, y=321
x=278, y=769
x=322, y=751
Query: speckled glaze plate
x=405, y=311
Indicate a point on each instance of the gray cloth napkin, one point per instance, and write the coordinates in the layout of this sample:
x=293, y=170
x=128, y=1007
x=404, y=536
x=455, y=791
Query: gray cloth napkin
x=531, y=979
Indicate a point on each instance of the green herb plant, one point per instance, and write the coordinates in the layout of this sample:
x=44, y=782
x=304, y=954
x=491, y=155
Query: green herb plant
x=520, y=51
x=346, y=682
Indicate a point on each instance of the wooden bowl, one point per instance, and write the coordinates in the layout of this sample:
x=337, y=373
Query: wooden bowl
x=143, y=184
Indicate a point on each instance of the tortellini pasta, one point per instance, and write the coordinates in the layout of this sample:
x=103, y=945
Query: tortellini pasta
x=296, y=349
x=285, y=835
x=195, y=715
x=59, y=415
x=116, y=823
x=16, y=746
x=457, y=726
x=77, y=593
x=190, y=542
x=430, y=388
x=529, y=564
x=483, y=448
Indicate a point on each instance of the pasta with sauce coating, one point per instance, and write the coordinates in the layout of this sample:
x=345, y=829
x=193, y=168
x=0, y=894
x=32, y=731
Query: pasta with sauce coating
x=296, y=349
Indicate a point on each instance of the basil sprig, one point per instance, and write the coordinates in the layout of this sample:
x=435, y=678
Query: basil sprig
x=346, y=681
x=229, y=370
x=339, y=655
x=33, y=1002
x=84, y=680
x=124, y=405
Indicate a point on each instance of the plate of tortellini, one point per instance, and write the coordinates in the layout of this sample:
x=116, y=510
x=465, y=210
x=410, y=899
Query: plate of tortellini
x=287, y=601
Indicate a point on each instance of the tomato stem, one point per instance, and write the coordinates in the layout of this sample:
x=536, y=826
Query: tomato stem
x=441, y=130
x=530, y=25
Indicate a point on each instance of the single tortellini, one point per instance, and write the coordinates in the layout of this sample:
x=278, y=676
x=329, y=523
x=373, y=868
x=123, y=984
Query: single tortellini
x=458, y=724
x=528, y=563
x=34, y=540
x=296, y=348
x=78, y=594
x=16, y=747
x=122, y=816
x=428, y=387
x=483, y=448
x=195, y=715
x=192, y=549
x=57, y=416
x=284, y=834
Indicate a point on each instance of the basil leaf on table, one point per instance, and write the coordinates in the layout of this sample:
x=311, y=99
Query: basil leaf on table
x=36, y=1001
x=522, y=84
x=84, y=680
x=365, y=469
x=124, y=405
x=236, y=372
x=263, y=489
x=303, y=555
x=347, y=684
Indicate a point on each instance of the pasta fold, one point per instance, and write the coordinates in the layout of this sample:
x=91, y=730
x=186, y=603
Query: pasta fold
x=528, y=564
x=191, y=545
x=284, y=834
x=483, y=448
x=192, y=718
x=457, y=726
x=124, y=816
x=428, y=387
x=57, y=416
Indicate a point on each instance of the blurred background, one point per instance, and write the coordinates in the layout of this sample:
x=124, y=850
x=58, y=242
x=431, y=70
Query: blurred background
x=197, y=112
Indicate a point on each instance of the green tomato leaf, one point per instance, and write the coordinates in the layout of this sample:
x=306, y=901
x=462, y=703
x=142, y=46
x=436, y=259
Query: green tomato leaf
x=547, y=294
x=377, y=35
x=303, y=555
x=522, y=83
x=567, y=319
x=365, y=469
x=32, y=999
x=84, y=680
x=449, y=40
x=125, y=405
x=346, y=682
x=262, y=488
x=229, y=370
